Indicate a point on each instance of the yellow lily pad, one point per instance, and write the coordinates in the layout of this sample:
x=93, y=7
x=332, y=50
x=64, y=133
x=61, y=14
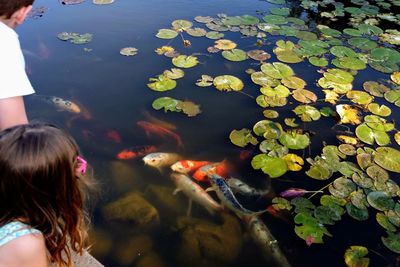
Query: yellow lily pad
x=224, y=44
x=294, y=162
x=348, y=114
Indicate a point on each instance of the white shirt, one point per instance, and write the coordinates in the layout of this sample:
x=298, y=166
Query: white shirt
x=13, y=78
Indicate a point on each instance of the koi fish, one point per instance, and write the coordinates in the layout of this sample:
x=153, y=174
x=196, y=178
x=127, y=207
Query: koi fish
x=227, y=197
x=265, y=240
x=151, y=128
x=159, y=160
x=242, y=188
x=222, y=168
x=136, y=152
x=162, y=123
x=245, y=154
x=113, y=135
x=61, y=104
x=187, y=166
x=194, y=192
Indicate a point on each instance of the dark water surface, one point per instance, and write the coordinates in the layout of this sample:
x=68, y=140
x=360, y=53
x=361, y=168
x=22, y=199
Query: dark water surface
x=112, y=89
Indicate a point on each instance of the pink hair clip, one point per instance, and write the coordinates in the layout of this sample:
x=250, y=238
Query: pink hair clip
x=82, y=165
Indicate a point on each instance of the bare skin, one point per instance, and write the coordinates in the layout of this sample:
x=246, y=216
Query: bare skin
x=12, y=110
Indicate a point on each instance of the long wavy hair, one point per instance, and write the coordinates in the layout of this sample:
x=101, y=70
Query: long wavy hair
x=8, y=7
x=39, y=186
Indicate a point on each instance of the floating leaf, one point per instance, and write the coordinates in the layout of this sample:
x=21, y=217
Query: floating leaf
x=395, y=77
x=174, y=73
x=370, y=29
x=294, y=140
x=228, y=83
x=166, y=103
x=347, y=139
x=281, y=203
x=349, y=63
x=370, y=136
x=184, y=61
x=359, y=199
x=393, y=97
x=304, y=96
x=235, y=55
x=310, y=228
x=352, y=32
x=375, y=88
x=270, y=114
x=347, y=149
x=383, y=221
x=342, y=187
x=263, y=79
x=294, y=162
x=385, y=54
x=327, y=112
x=284, y=11
x=359, y=97
x=128, y=51
x=275, y=19
x=205, y=81
x=259, y=55
x=380, y=200
x=362, y=43
x=382, y=110
x=279, y=91
x=327, y=215
x=392, y=242
x=291, y=122
x=397, y=137
x=343, y=51
x=348, y=114
x=318, y=62
x=277, y=70
x=214, y=35
x=203, y=19
x=103, y=2
x=196, y=32
x=181, y=25
x=305, y=35
x=307, y=113
x=166, y=34
x=356, y=213
x=338, y=76
x=189, y=108
x=242, y=137
x=268, y=129
x=354, y=256
x=377, y=173
x=224, y=44
x=274, y=167
x=161, y=83
x=294, y=82
x=75, y=38
x=388, y=158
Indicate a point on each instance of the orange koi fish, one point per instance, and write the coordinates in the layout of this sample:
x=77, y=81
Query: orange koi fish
x=151, y=128
x=157, y=121
x=114, y=136
x=135, y=152
x=222, y=168
x=187, y=166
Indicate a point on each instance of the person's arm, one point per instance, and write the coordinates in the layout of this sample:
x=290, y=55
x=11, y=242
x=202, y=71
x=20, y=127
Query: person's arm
x=12, y=112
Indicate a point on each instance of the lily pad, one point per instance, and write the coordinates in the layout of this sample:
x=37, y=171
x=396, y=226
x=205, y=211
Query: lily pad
x=355, y=256
x=242, y=137
x=181, y=25
x=392, y=242
x=383, y=221
x=310, y=229
x=338, y=76
x=259, y=55
x=349, y=63
x=228, y=83
x=393, y=97
x=277, y=70
x=291, y=122
x=174, y=73
x=275, y=19
x=307, y=113
x=215, y=35
x=343, y=51
x=294, y=140
x=318, y=62
x=362, y=43
x=128, y=51
x=395, y=77
x=280, y=203
x=103, y=2
x=203, y=19
x=348, y=114
x=274, y=167
x=235, y=55
x=184, y=61
x=166, y=34
x=370, y=136
x=189, y=108
x=294, y=162
x=294, y=82
x=205, y=81
x=359, y=97
x=270, y=114
x=375, y=88
x=305, y=96
x=166, y=103
x=279, y=91
x=380, y=110
x=196, y=32
x=225, y=44
x=263, y=79
x=388, y=158
x=380, y=200
x=161, y=83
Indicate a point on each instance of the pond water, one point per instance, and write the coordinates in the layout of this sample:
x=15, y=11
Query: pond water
x=113, y=96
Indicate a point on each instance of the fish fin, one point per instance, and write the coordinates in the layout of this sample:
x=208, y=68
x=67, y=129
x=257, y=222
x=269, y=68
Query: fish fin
x=189, y=210
x=176, y=191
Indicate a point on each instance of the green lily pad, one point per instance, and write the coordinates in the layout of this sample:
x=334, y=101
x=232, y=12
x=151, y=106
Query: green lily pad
x=383, y=221
x=359, y=199
x=275, y=19
x=355, y=257
x=327, y=112
x=181, y=25
x=274, y=167
x=294, y=82
x=388, y=158
x=283, y=11
x=268, y=129
x=318, y=62
x=291, y=122
x=310, y=228
x=359, y=97
x=196, y=32
x=102, y=2
x=342, y=187
x=228, y=83
x=375, y=88
x=280, y=203
x=385, y=54
x=362, y=180
x=327, y=215
x=189, y=108
x=370, y=29
x=270, y=114
x=307, y=113
x=174, y=73
x=213, y=35
x=242, y=137
x=268, y=27
x=393, y=97
x=347, y=149
x=75, y=38
x=259, y=55
x=271, y=101
x=328, y=31
x=166, y=34
x=338, y=76
x=184, y=61
x=303, y=205
x=362, y=43
x=349, y=63
x=380, y=200
x=384, y=66
x=294, y=140
x=128, y=51
x=277, y=70
x=263, y=79
x=380, y=110
x=356, y=213
x=234, y=55
x=377, y=173
x=306, y=97
x=203, y=19
x=161, y=83
x=305, y=35
x=370, y=136
x=343, y=51
x=166, y=103
x=352, y=32
x=279, y=91
x=392, y=242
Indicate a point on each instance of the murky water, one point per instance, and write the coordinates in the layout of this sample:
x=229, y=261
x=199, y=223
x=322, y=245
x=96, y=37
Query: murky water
x=112, y=91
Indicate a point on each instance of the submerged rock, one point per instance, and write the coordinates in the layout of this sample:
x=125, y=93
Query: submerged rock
x=100, y=242
x=163, y=198
x=208, y=244
x=125, y=177
x=133, y=208
x=131, y=250
x=150, y=260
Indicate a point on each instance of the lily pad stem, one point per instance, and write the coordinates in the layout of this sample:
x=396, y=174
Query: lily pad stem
x=320, y=190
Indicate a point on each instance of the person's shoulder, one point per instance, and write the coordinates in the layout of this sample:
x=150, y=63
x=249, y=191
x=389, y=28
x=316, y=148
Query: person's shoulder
x=27, y=250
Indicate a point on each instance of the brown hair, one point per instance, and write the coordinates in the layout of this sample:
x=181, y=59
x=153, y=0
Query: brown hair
x=8, y=7
x=39, y=186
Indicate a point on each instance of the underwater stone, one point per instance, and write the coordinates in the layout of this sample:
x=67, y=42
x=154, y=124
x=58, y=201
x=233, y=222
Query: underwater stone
x=133, y=208
x=101, y=242
x=133, y=249
x=164, y=199
x=207, y=244
x=124, y=176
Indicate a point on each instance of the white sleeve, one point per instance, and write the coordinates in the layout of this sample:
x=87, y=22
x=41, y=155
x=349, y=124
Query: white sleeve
x=13, y=78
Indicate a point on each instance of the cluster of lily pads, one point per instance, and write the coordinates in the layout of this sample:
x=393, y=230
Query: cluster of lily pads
x=361, y=189
x=75, y=38
x=175, y=105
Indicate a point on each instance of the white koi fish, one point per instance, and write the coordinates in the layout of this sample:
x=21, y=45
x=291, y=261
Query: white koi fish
x=194, y=192
x=159, y=160
x=242, y=188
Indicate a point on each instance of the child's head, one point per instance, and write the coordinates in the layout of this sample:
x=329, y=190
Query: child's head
x=15, y=10
x=41, y=185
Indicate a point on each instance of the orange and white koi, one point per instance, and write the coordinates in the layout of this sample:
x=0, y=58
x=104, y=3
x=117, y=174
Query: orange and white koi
x=194, y=192
x=61, y=104
x=135, y=152
x=223, y=169
x=151, y=128
x=187, y=166
x=159, y=160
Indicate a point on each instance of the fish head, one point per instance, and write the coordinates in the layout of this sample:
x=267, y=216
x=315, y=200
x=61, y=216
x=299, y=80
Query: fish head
x=154, y=159
x=72, y=107
x=180, y=167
